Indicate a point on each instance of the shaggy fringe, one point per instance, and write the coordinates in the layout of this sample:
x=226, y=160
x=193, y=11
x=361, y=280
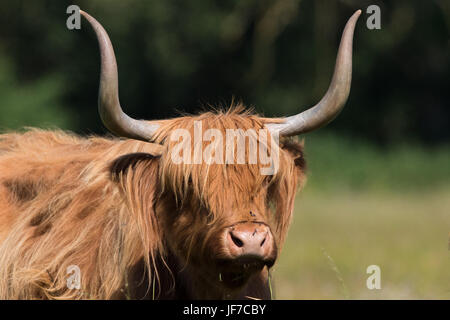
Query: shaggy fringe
x=206, y=182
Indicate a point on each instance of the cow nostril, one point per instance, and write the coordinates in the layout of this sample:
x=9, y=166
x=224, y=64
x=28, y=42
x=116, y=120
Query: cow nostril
x=264, y=240
x=238, y=242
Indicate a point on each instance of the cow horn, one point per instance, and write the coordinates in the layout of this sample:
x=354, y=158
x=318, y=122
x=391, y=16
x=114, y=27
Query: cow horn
x=336, y=96
x=109, y=108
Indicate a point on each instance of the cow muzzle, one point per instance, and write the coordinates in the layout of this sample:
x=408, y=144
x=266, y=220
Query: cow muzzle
x=250, y=247
x=250, y=241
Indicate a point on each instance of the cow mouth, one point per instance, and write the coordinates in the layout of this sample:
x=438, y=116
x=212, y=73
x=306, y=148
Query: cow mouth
x=235, y=273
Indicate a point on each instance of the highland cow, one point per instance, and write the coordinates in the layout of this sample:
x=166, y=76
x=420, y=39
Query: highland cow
x=135, y=223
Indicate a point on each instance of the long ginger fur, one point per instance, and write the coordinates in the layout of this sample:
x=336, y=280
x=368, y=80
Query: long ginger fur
x=104, y=204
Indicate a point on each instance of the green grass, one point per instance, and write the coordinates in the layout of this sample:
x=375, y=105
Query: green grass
x=390, y=209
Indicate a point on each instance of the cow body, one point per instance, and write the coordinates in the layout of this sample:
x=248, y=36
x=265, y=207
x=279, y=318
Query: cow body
x=171, y=212
x=117, y=210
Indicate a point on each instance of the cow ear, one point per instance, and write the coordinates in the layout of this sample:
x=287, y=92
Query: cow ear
x=295, y=149
x=120, y=166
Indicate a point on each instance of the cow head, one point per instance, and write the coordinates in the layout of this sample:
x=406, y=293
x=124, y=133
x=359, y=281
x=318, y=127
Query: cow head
x=227, y=219
x=223, y=218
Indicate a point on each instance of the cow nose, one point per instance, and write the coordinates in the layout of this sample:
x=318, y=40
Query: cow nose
x=253, y=240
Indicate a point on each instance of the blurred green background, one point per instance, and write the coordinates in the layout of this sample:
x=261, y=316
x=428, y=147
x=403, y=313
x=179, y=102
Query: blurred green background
x=378, y=187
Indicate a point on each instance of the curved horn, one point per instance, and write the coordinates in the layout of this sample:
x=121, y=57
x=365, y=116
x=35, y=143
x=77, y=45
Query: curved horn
x=336, y=96
x=109, y=108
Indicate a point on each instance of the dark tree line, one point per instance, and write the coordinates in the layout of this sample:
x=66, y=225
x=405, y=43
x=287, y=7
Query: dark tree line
x=276, y=55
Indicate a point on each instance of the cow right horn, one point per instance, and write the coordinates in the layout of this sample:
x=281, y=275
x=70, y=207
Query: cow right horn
x=334, y=99
x=109, y=108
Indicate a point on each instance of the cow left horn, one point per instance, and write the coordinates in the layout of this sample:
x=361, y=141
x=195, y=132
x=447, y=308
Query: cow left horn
x=109, y=108
x=336, y=96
